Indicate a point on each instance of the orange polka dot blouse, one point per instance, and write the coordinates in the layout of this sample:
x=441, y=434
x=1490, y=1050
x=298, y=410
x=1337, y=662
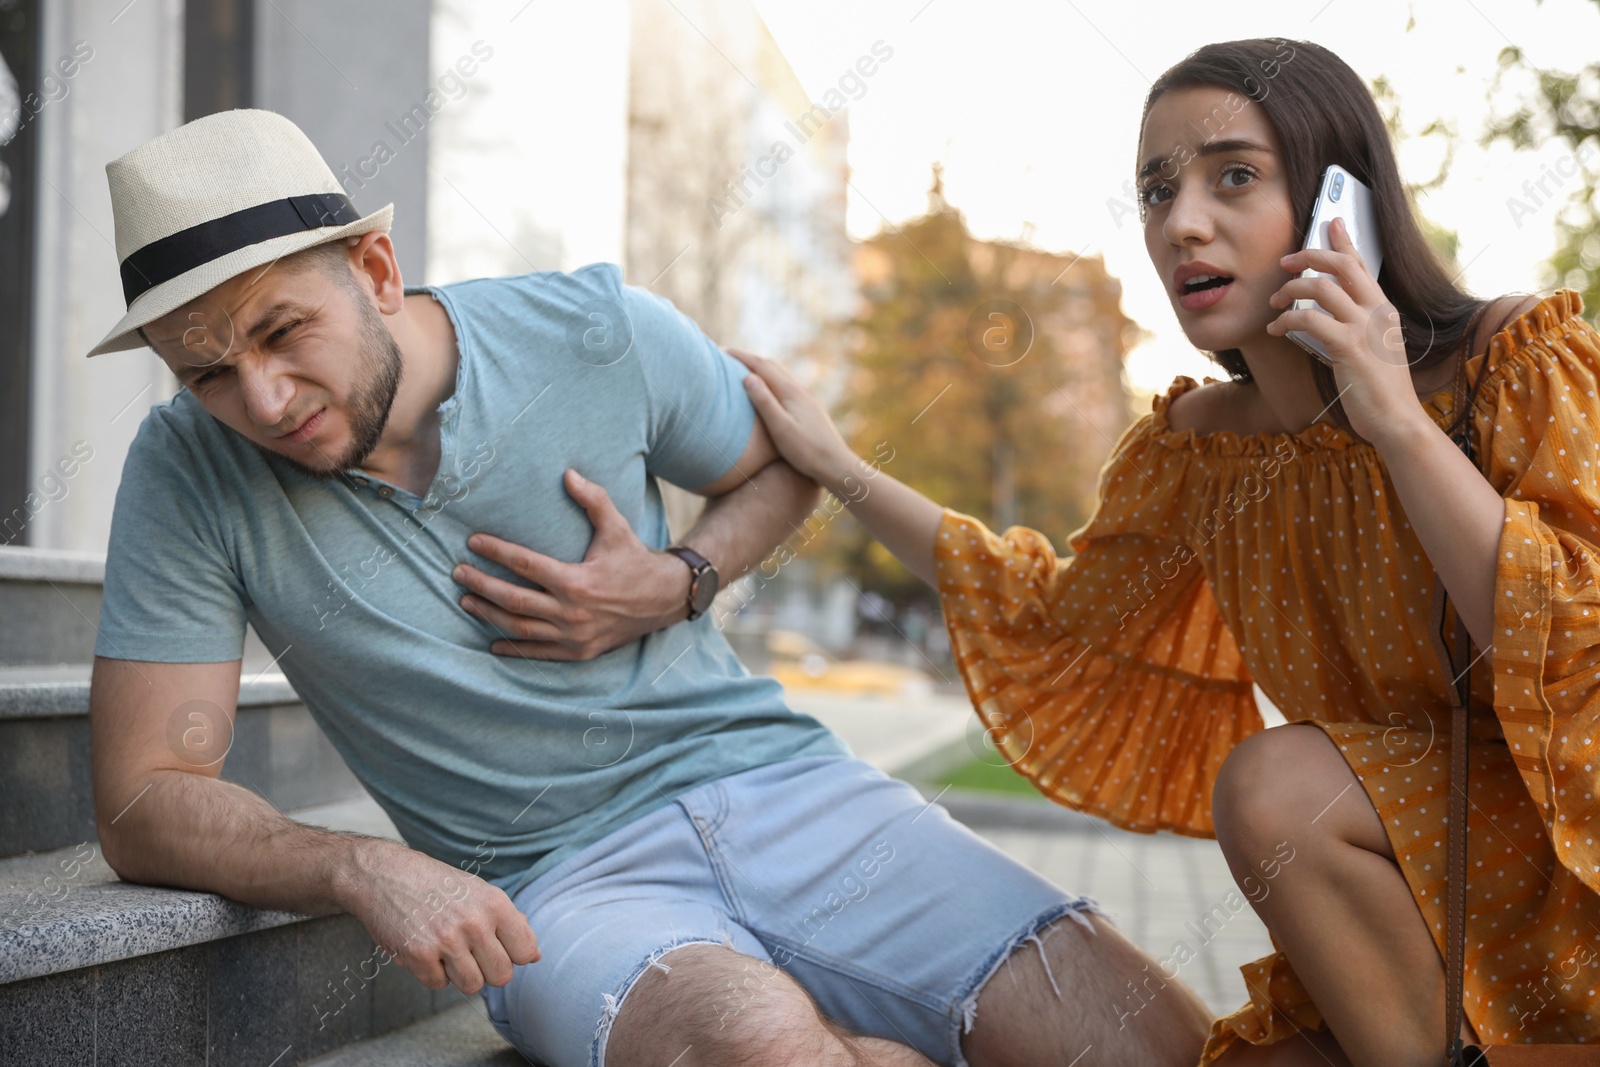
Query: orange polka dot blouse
x=1118, y=679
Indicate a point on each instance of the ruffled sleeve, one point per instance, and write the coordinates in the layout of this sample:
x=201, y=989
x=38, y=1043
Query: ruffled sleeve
x=1109, y=678
x=1541, y=425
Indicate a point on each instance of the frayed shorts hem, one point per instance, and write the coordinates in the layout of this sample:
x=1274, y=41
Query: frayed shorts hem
x=615, y=1001
x=966, y=1015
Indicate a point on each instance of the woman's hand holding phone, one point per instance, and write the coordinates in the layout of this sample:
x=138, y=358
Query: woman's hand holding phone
x=1361, y=331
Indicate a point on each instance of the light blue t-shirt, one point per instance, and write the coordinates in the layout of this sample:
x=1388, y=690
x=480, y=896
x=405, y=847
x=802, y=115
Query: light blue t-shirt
x=484, y=761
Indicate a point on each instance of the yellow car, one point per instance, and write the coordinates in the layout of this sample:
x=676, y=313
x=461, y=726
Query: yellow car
x=800, y=663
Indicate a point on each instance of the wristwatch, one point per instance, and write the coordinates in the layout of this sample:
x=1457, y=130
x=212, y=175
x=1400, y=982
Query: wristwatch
x=702, y=579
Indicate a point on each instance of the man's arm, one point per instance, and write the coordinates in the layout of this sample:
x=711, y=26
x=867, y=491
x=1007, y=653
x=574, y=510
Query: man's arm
x=747, y=515
x=622, y=589
x=159, y=734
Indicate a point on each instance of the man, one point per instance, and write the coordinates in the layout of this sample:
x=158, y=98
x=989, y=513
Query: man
x=712, y=877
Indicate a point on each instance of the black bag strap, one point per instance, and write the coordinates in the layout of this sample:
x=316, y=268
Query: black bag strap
x=1458, y=669
x=1460, y=690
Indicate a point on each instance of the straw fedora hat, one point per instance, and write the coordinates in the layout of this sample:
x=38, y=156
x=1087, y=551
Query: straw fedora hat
x=212, y=199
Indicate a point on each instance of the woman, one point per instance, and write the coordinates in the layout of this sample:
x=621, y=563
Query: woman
x=1283, y=527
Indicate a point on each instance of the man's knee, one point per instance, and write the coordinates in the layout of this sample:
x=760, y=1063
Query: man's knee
x=713, y=1006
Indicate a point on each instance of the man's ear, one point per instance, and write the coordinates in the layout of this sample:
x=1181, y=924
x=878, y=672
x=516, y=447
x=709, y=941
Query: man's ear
x=372, y=256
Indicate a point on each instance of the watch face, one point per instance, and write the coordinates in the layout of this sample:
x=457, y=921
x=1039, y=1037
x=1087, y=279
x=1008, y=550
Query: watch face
x=705, y=590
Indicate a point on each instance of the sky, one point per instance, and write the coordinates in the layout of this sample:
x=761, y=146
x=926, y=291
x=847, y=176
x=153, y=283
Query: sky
x=1033, y=109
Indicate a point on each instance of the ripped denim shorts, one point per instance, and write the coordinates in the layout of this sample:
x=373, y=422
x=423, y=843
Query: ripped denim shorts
x=890, y=913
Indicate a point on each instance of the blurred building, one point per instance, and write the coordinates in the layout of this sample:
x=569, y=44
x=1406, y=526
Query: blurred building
x=528, y=172
x=642, y=132
x=737, y=180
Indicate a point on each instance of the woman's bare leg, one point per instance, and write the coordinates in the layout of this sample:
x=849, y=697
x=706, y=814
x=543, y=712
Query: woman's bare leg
x=1340, y=908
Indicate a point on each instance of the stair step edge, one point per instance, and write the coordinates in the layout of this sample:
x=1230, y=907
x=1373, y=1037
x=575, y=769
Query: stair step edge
x=56, y=690
x=461, y=1036
x=66, y=909
x=19, y=563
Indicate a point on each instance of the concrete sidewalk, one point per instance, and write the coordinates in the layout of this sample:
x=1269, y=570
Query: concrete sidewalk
x=905, y=738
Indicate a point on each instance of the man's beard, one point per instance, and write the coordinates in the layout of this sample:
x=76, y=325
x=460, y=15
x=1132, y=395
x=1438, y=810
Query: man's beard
x=368, y=411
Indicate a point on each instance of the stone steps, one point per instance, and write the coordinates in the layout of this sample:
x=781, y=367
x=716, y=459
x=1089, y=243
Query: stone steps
x=94, y=970
x=49, y=611
x=67, y=908
x=46, y=799
x=49, y=605
x=459, y=1036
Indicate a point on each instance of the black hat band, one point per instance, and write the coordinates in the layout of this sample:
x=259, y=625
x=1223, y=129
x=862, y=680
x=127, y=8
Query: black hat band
x=161, y=261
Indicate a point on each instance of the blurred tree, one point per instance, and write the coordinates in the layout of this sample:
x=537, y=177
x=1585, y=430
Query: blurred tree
x=1565, y=107
x=1444, y=241
x=994, y=372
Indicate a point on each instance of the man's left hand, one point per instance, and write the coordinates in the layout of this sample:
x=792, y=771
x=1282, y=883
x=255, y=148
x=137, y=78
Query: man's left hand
x=620, y=591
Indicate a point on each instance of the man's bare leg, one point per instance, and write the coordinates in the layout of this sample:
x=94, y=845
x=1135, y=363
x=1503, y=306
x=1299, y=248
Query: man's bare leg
x=1022, y=1020
x=714, y=1007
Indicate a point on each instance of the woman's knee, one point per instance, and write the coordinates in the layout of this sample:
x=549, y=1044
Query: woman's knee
x=1270, y=786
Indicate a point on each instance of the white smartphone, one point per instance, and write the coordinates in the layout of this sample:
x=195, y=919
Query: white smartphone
x=1342, y=196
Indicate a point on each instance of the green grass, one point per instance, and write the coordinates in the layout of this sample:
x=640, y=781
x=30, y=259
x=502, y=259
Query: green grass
x=992, y=776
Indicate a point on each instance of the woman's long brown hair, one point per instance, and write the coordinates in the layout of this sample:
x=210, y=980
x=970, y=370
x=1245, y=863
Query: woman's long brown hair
x=1324, y=113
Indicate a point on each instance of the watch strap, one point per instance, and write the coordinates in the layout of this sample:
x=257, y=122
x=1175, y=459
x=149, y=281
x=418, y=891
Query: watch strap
x=695, y=560
x=698, y=566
